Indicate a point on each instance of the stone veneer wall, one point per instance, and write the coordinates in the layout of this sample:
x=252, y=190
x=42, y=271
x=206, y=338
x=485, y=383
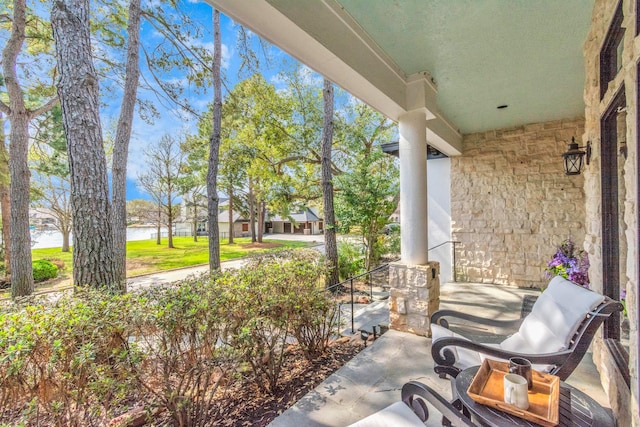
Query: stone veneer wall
x=413, y=297
x=624, y=401
x=512, y=204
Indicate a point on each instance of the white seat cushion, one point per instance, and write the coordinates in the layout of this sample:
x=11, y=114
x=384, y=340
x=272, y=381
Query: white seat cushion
x=554, y=319
x=398, y=414
x=534, y=336
x=465, y=358
x=571, y=305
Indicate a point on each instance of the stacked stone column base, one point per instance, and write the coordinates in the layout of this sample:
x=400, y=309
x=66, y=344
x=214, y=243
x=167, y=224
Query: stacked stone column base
x=414, y=296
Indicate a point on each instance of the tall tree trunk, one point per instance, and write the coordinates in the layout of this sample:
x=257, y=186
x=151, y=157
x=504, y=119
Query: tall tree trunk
x=170, y=224
x=21, y=269
x=252, y=212
x=65, y=231
x=214, y=150
x=5, y=209
x=330, y=240
x=20, y=237
x=121, y=147
x=230, y=191
x=93, y=263
x=17, y=221
x=5, y=201
x=262, y=206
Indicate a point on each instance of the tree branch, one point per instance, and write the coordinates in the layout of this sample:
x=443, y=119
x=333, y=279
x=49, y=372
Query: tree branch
x=47, y=106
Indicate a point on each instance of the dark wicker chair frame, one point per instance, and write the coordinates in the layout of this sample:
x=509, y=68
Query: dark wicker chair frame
x=565, y=361
x=451, y=414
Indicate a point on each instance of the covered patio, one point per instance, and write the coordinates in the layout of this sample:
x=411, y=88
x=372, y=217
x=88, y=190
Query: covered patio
x=372, y=380
x=501, y=88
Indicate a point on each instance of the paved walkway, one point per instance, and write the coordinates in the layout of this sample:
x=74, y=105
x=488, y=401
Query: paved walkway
x=372, y=380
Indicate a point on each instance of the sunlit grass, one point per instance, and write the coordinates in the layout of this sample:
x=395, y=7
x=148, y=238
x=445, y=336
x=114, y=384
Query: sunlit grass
x=145, y=256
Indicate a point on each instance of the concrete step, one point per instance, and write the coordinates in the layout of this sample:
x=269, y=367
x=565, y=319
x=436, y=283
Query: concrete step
x=365, y=316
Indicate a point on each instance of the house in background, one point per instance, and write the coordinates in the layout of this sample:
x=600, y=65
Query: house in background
x=306, y=221
x=240, y=225
x=185, y=226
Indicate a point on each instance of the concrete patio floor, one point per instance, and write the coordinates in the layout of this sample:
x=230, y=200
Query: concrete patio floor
x=372, y=380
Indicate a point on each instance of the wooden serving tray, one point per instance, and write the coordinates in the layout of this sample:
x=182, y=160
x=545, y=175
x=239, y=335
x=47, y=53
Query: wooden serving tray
x=487, y=388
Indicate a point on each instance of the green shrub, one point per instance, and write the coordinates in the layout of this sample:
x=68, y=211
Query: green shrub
x=276, y=297
x=44, y=270
x=81, y=359
x=180, y=331
x=391, y=244
x=66, y=362
x=350, y=260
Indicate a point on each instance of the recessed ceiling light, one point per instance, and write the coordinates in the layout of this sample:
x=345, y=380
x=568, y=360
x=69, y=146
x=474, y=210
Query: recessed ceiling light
x=500, y=107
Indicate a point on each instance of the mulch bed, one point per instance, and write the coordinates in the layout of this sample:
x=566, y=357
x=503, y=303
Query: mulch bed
x=243, y=403
x=247, y=405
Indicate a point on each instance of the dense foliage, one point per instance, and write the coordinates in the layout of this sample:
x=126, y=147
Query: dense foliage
x=369, y=189
x=350, y=259
x=82, y=359
x=44, y=270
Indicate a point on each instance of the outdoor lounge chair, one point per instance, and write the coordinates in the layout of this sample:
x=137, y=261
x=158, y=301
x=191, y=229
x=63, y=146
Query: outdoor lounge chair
x=412, y=410
x=554, y=336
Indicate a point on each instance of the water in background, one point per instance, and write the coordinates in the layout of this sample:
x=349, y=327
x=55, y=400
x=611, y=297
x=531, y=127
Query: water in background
x=53, y=239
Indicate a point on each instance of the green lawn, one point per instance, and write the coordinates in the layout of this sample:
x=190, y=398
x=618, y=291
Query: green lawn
x=144, y=256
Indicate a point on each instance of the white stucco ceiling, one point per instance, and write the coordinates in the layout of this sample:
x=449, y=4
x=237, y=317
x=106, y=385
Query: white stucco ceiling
x=480, y=54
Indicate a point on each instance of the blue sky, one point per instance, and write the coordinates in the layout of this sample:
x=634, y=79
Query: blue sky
x=172, y=120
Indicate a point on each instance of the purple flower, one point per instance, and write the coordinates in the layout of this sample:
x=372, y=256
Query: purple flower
x=554, y=262
x=569, y=263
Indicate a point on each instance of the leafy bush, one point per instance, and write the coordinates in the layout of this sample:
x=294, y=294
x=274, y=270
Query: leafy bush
x=350, y=260
x=178, y=334
x=68, y=360
x=275, y=297
x=81, y=359
x=392, y=241
x=44, y=270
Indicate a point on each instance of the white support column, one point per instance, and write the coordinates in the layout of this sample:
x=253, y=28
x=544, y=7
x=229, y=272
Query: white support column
x=413, y=187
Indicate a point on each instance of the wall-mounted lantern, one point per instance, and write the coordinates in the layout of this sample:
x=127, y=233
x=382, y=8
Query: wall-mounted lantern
x=573, y=158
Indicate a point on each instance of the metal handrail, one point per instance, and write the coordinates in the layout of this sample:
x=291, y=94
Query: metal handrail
x=373, y=270
x=379, y=268
x=444, y=243
x=453, y=266
x=351, y=289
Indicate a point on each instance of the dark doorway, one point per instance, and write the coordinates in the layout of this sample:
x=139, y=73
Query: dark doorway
x=613, y=266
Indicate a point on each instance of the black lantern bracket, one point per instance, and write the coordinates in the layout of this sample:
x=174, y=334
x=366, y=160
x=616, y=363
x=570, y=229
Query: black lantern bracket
x=573, y=158
x=588, y=152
